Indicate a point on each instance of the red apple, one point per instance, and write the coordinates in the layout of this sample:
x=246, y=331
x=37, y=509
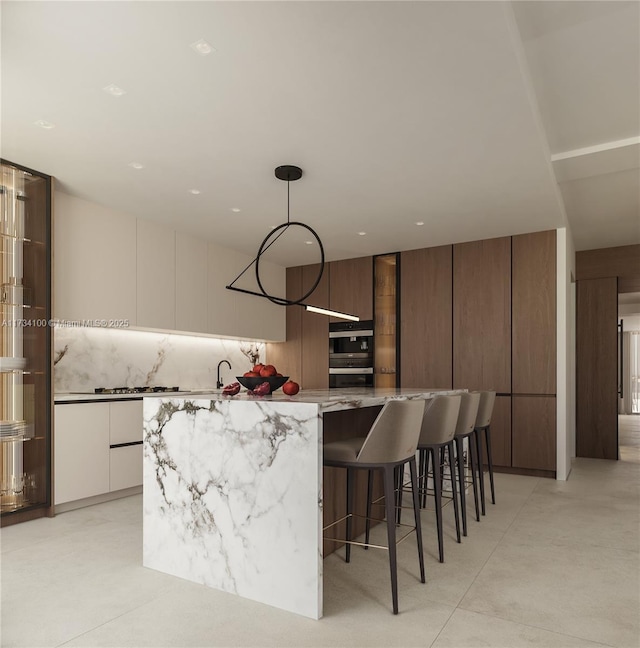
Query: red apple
x=290, y=388
x=258, y=368
x=251, y=374
x=267, y=370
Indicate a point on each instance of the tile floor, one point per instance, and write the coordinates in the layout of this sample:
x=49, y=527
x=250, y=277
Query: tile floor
x=552, y=564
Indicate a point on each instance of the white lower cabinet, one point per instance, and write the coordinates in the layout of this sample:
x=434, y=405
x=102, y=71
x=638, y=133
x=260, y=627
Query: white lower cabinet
x=125, y=441
x=81, y=454
x=98, y=449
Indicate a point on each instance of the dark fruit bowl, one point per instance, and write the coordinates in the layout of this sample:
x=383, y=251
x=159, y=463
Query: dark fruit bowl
x=275, y=382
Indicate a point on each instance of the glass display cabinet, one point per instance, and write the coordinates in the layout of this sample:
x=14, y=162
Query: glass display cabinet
x=25, y=344
x=386, y=356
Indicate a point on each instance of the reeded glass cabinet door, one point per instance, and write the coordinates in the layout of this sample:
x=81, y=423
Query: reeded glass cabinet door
x=25, y=340
x=385, y=268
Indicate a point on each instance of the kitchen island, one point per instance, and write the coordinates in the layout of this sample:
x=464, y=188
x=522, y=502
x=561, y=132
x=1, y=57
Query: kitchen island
x=233, y=489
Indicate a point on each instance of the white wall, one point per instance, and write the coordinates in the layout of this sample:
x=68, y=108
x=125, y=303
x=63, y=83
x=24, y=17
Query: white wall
x=566, y=360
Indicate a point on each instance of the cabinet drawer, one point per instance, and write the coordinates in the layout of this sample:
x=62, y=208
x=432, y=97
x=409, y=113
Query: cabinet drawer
x=125, y=467
x=126, y=422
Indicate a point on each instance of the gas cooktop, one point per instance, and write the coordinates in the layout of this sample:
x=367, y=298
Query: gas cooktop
x=135, y=390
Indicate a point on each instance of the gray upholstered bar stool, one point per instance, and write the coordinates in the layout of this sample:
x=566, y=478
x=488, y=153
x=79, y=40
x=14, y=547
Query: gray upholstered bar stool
x=465, y=429
x=438, y=430
x=391, y=443
x=483, y=429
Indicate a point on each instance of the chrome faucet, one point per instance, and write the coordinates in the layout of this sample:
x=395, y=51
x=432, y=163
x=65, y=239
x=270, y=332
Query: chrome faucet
x=219, y=382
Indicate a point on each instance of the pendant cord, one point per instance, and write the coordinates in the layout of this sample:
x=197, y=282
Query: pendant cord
x=288, y=218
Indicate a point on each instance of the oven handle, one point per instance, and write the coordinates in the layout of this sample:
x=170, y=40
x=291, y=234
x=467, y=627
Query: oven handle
x=350, y=334
x=351, y=370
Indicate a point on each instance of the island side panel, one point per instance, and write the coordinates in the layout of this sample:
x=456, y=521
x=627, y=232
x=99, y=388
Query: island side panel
x=232, y=497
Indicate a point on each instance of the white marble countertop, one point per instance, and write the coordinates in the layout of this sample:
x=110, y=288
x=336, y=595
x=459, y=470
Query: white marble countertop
x=328, y=400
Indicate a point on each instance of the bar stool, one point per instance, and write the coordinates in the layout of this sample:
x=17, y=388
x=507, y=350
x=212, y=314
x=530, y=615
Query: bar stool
x=438, y=430
x=465, y=429
x=483, y=428
x=391, y=442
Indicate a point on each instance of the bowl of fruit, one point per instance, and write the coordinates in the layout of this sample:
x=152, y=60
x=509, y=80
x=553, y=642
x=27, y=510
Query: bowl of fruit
x=262, y=374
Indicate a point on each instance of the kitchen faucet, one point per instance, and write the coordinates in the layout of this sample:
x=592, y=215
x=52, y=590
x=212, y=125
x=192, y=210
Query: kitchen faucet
x=219, y=382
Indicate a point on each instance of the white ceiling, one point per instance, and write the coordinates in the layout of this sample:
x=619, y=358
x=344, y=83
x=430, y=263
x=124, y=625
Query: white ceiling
x=397, y=112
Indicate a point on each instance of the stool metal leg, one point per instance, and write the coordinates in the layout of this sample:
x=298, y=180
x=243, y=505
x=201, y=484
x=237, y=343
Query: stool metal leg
x=350, y=476
x=473, y=452
x=452, y=476
x=416, y=514
x=369, y=496
x=435, y=458
x=480, y=469
x=463, y=497
x=389, y=504
x=487, y=433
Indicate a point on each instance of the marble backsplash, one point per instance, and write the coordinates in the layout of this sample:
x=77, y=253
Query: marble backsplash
x=85, y=358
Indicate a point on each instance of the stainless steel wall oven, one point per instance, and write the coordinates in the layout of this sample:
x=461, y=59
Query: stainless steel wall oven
x=351, y=354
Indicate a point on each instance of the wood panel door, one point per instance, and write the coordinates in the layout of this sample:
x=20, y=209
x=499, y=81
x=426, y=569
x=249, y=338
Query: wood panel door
x=533, y=436
x=482, y=315
x=351, y=287
x=287, y=356
x=534, y=313
x=426, y=339
x=501, y=432
x=315, y=332
x=596, y=368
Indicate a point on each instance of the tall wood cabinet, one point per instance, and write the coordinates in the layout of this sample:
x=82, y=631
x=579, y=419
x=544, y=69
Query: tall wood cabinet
x=351, y=287
x=426, y=312
x=482, y=315
x=315, y=332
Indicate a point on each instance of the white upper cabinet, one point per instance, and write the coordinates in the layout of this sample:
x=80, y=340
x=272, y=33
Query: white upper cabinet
x=221, y=270
x=191, y=284
x=94, y=262
x=156, y=276
x=110, y=266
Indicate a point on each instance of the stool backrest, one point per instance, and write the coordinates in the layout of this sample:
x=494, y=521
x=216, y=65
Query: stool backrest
x=469, y=404
x=393, y=437
x=487, y=401
x=439, y=421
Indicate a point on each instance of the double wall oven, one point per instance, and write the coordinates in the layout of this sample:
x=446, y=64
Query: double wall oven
x=351, y=354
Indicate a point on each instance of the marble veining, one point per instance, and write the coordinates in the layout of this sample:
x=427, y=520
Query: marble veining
x=232, y=497
x=85, y=358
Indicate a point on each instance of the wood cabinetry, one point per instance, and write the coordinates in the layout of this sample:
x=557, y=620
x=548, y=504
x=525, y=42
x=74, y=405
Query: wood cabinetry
x=501, y=431
x=156, y=275
x=596, y=369
x=191, y=284
x=534, y=432
x=426, y=317
x=351, y=287
x=315, y=332
x=534, y=313
x=482, y=315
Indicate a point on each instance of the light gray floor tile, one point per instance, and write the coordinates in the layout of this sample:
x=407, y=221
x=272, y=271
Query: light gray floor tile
x=579, y=590
x=472, y=630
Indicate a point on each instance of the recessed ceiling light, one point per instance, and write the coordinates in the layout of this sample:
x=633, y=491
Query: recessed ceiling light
x=235, y=210
x=362, y=233
x=114, y=90
x=136, y=165
x=195, y=192
x=309, y=242
x=419, y=223
x=202, y=47
x=272, y=226
x=44, y=124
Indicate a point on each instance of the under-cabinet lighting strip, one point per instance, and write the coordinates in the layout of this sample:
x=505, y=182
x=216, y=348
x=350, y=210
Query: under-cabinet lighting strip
x=331, y=313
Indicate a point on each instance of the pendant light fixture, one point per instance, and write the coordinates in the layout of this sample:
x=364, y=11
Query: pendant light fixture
x=288, y=173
